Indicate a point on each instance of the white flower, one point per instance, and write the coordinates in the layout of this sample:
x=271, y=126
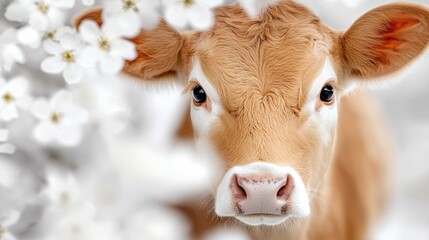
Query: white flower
x=56, y=33
x=41, y=16
x=10, y=53
x=65, y=59
x=106, y=47
x=60, y=119
x=140, y=13
x=5, y=147
x=13, y=94
x=196, y=13
x=28, y=36
x=62, y=190
x=38, y=13
x=7, y=221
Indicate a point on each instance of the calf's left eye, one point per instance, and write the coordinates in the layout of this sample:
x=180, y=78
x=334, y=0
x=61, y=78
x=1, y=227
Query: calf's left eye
x=327, y=93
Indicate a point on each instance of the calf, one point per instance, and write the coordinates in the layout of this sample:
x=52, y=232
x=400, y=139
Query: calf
x=280, y=98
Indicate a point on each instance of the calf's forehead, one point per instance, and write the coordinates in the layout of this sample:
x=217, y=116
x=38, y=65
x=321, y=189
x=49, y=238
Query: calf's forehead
x=272, y=58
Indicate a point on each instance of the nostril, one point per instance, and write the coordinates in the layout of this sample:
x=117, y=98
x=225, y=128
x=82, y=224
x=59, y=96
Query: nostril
x=237, y=190
x=286, y=190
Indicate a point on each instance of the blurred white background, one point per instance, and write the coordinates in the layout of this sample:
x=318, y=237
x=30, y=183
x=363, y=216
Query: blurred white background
x=101, y=188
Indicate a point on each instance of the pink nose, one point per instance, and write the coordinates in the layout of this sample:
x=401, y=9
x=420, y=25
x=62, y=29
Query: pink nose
x=265, y=195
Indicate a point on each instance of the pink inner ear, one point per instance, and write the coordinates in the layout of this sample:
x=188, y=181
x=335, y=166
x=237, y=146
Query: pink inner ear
x=399, y=25
x=389, y=37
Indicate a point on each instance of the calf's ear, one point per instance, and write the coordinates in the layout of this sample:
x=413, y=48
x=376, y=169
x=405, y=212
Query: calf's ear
x=161, y=52
x=385, y=40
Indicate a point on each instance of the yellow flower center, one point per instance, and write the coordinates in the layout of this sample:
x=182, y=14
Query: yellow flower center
x=129, y=4
x=42, y=7
x=68, y=56
x=51, y=34
x=104, y=44
x=188, y=2
x=56, y=117
x=8, y=97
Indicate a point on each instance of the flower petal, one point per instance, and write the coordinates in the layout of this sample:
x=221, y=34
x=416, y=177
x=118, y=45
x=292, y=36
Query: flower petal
x=61, y=100
x=8, y=36
x=29, y=36
x=64, y=4
x=53, y=65
x=24, y=102
x=123, y=48
x=200, y=17
x=16, y=12
x=40, y=109
x=89, y=56
x=44, y=132
x=90, y=31
x=2, y=83
x=126, y=24
x=18, y=86
x=76, y=115
x=38, y=21
x=149, y=17
x=69, y=136
x=250, y=7
x=52, y=47
x=14, y=53
x=73, y=73
x=210, y=3
x=176, y=16
x=112, y=8
x=62, y=30
x=55, y=18
x=69, y=41
x=111, y=64
x=9, y=112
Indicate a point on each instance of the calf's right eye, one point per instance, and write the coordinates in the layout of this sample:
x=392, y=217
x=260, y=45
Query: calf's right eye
x=199, y=95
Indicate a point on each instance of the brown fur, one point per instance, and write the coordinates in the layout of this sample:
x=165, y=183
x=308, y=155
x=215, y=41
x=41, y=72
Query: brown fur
x=262, y=69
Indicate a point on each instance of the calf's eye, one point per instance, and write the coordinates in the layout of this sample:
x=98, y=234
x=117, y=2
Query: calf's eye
x=199, y=95
x=327, y=93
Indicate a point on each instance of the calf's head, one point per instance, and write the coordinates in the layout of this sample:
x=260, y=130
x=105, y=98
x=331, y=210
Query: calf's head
x=264, y=92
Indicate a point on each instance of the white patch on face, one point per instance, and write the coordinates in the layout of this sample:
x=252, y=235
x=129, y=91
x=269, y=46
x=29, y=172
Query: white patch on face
x=326, y=116
x=202, y=119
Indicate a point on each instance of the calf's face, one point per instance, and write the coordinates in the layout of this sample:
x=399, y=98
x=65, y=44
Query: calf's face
x=264, y=92
x=266, y=100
